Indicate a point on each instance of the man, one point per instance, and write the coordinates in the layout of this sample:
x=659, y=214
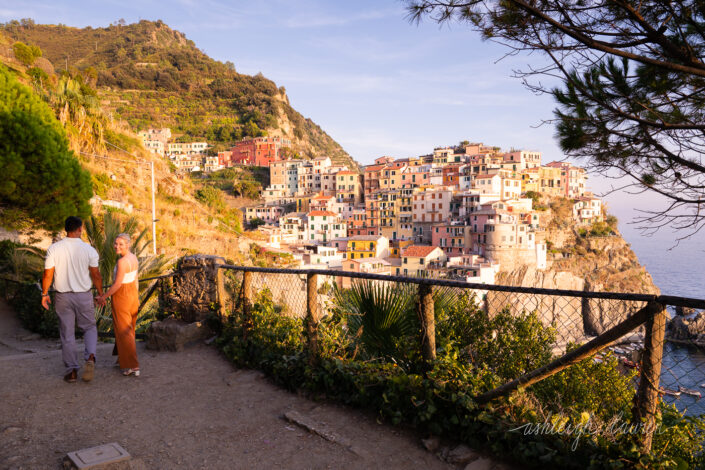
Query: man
x=73, y=264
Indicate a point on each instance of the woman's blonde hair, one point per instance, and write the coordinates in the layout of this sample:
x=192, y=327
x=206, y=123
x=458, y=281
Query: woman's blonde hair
x=125, y=236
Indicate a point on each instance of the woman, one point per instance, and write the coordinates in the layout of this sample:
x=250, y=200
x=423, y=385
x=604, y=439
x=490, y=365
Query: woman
x=125, y=305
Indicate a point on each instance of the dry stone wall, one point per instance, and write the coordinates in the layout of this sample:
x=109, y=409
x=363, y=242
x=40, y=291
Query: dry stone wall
x=193, y=294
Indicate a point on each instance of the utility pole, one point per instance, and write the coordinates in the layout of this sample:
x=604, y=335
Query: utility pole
x=154, y=214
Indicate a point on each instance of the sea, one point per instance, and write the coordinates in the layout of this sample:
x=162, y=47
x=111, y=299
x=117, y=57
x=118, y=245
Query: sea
x=677, y=268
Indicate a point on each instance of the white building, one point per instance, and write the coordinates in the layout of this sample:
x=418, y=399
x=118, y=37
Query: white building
x=324, y=226
x=587, y=210
x=188, y=148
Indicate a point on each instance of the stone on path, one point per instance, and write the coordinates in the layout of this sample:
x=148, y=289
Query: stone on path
x=432, y=444
x=480, y=464
x=462, y=455
x=104, y=457
x=172, y=334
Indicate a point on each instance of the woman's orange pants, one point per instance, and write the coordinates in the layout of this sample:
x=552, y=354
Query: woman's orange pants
x=125, y=306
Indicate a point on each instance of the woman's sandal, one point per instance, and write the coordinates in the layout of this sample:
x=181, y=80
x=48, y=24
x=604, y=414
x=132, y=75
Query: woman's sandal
x=128, y=372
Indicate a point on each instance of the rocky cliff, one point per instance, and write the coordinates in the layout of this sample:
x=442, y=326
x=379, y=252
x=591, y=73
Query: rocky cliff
x=577, y=261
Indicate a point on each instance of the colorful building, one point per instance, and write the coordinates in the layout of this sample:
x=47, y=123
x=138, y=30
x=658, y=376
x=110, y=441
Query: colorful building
x=417, y=260
x=367, y=246
x=258, y=151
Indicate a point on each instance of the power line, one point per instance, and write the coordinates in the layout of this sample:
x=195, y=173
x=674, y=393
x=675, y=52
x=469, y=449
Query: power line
x=114, y=159
x=151, y=165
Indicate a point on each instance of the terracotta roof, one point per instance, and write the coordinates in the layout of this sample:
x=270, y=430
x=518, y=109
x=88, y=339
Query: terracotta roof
x=485, y=176
x=374, y=167
x=419, y=251
x=315, y=213
x=321, y=197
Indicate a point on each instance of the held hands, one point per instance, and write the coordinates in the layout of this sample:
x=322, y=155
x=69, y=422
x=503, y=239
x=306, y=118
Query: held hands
x=100, y=300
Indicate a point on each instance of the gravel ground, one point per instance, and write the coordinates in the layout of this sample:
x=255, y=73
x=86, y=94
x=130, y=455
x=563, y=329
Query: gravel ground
x=191, y=410
x=188, y=410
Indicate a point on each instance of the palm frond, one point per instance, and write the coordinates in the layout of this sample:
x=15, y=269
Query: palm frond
x=380, y=316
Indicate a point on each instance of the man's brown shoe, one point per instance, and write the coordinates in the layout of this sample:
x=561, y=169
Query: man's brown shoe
x=89, y=369
x=71, y=376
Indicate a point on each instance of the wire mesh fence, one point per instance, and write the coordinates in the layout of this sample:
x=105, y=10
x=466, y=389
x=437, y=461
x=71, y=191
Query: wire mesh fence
x=572, y=331
x=523, y=336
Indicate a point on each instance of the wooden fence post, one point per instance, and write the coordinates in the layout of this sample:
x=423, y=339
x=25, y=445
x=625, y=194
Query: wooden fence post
x=246, y=303
x=647, y=399
x=221, y=293
x=312, y=316
x=428, y=323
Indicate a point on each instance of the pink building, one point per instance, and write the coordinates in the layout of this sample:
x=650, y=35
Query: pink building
x=432, y=205
x=453, y=239
x=413, y=176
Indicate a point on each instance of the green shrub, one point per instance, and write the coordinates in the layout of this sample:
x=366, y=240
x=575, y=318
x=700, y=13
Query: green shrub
x=506, y=344
x=612, y=222
x=27, y=302
x=26, y=54
x=37, y=74
x=210, y=196
x=441, y=401
x=256, y=222
x=596, y=387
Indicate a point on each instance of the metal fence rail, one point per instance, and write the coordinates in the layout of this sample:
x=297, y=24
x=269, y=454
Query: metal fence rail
x=583, y=324
x=632, y=325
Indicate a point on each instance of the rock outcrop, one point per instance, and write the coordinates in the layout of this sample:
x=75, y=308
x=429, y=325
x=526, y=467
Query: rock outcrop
x=581, y=264
x=689, y=329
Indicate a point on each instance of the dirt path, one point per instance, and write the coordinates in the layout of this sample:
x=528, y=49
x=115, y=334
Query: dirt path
x=190, y=410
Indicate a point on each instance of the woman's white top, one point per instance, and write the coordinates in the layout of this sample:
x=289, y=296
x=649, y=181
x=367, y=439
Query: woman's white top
x=129, y=276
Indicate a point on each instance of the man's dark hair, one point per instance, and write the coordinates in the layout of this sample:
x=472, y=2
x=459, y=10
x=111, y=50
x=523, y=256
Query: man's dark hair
x=72, y=223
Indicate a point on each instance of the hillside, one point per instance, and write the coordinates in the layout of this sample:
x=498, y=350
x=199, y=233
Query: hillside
x=187, y=220
x=152, y=76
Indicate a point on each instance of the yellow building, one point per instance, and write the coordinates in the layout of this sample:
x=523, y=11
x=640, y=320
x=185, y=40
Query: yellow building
x=391, y=178
x=348, y=187
x=367, y=246
x=550, y=181
x=303, y=204
x=530, y=180
x=397, y=246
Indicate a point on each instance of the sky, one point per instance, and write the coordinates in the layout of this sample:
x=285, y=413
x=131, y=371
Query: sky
x=376, y=83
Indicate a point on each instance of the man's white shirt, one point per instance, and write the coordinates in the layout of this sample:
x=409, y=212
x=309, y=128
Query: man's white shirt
x=70, y=259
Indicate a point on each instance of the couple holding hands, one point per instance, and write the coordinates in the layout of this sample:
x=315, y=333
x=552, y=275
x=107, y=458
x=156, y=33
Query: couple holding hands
x=72, y=265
